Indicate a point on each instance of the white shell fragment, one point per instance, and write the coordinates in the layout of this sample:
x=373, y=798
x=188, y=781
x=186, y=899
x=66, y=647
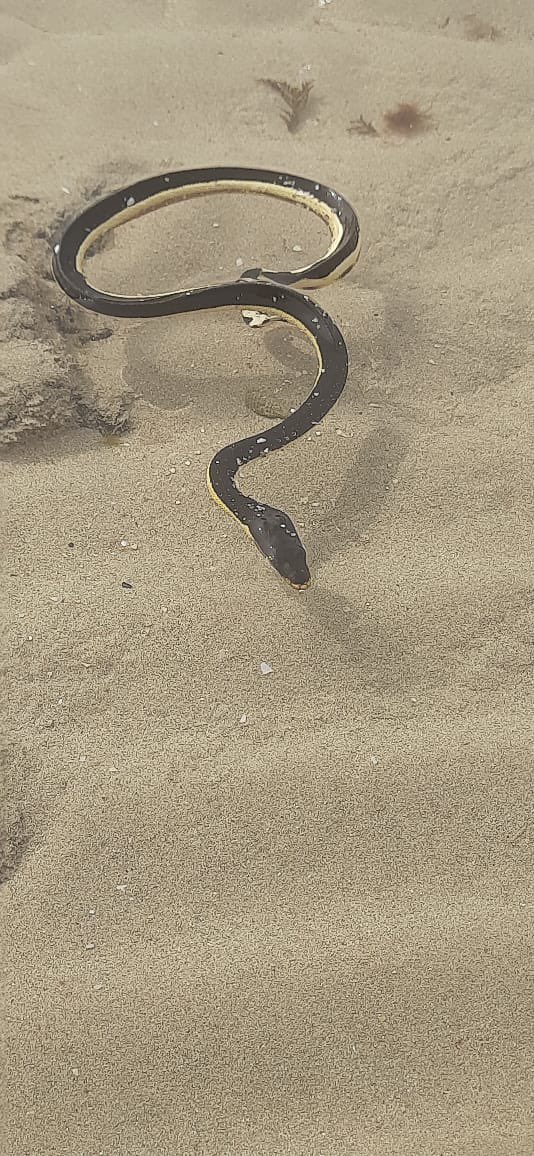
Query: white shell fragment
x=265, y=668
x=254, y=318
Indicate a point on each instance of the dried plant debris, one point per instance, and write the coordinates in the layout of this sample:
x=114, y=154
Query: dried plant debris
x=363, y=127
x=295, y=97
x=407, y=119
x=476, y=29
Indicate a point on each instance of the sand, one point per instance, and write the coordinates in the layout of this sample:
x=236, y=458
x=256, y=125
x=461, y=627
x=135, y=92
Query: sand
x=285, y=913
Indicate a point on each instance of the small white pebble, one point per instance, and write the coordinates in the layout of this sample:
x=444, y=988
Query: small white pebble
x=75, y=1071
x=120, y=887
x=239, y=262
x=64, y=189
x=265, y=668
x=172, y=470
x=92, y=910
x=89, y=946
x=56, y=248
x=243, y=719
x=187, y=462
x=30, y=637
x=297, y=248
x=124, y=542
x=215, y=225
x=374, y=760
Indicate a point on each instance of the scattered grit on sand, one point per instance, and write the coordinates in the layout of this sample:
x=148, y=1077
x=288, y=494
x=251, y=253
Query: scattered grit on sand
x=279, y=910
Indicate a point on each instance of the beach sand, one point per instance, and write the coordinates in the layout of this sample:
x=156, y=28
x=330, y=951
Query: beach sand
x=284, y=913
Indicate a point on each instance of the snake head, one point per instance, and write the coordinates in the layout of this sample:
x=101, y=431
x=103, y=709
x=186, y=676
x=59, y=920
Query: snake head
x=276, y=536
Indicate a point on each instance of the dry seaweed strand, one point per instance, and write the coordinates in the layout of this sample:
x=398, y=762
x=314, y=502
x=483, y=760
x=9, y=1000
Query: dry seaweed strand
x=407, y=119
x=294, y=96
x=363, y=127
x=476, y=29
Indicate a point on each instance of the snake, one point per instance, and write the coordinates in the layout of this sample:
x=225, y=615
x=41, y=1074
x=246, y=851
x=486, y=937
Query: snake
x=260, y=295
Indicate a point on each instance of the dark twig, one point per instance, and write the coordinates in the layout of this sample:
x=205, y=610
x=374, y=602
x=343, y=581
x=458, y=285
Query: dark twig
x=295, y=97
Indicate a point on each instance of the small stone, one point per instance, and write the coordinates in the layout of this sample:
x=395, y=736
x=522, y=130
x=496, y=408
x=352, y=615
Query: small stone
x=297, y=248
x=124, y=542
x=239, y=262
x=172, y=470
x=120, y=887
x=89, y=947
x=243, y=719
x=265, y=668
x=127, y=585
x=75, y=1071
x=374, y=760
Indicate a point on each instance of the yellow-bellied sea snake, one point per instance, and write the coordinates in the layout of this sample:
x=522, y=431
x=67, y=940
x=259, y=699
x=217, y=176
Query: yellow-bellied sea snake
x=273, y=294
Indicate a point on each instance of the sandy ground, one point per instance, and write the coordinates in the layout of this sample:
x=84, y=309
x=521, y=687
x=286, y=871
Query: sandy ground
x=287, y=913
